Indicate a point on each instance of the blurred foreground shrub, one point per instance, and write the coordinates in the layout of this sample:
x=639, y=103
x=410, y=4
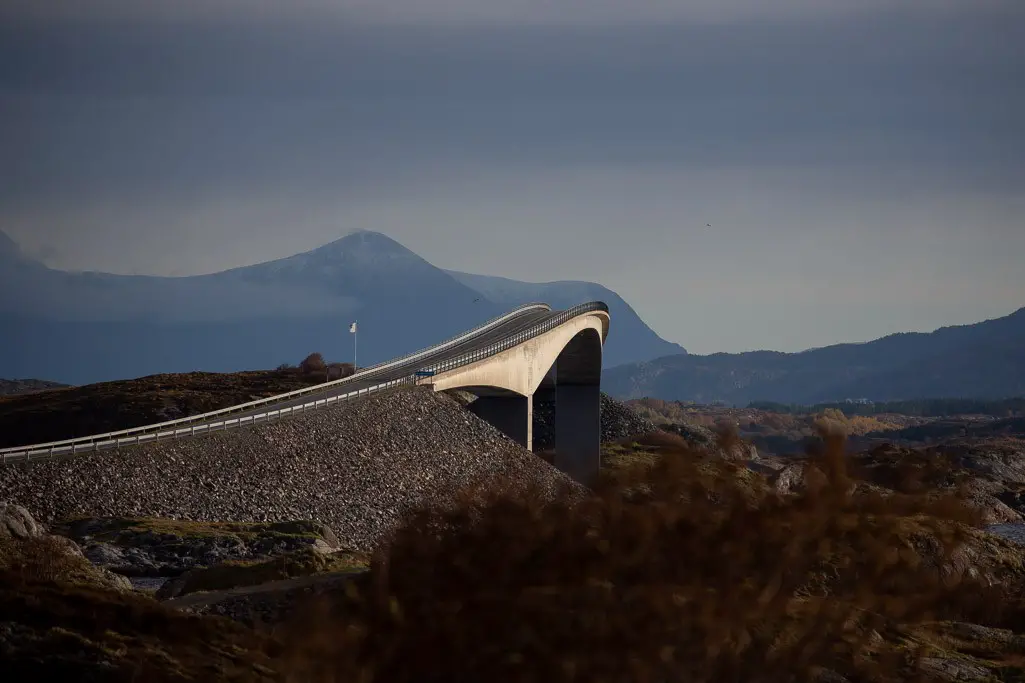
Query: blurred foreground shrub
x=678, y=569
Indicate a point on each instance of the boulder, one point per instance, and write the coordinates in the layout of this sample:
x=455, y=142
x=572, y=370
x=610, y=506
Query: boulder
x=947, y=669
x=994, y=511
x=16, y=522
x=161, y=547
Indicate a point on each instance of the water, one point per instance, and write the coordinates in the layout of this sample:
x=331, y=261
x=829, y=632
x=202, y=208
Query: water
x=1012, y=531
x=147, y=583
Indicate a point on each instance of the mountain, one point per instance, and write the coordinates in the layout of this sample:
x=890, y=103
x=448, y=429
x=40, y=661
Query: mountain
x=9, y=249
x=983, y=360
x=83, y=327
x=10, y=387
x=631, y=339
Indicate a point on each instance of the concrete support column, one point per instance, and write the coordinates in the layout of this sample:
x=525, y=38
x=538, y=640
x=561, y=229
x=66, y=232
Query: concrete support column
x=511, y=415
x=578, y=431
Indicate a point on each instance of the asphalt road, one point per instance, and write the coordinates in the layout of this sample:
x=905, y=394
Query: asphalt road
x=494, y=335
x=520, y=322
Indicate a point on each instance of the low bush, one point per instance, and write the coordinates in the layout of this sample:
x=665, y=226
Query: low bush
x=677, y=569
x=313, y=363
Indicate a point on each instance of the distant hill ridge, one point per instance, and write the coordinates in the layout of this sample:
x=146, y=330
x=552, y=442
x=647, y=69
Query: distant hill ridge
x=89, y=327
x=631, y=335
x=981, y=360
x=11, y=387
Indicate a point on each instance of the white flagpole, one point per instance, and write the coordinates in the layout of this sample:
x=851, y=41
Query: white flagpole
x=355, y=341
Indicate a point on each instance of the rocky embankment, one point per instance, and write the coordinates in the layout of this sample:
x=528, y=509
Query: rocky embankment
x=356, y=467
x=617, y=422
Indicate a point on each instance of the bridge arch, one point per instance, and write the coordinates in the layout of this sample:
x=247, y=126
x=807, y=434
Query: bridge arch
x=563, y=364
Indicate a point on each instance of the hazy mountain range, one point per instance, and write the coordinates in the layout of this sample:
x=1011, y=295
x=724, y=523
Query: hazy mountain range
x=85, y=327
x=983, y=360
x=78, y=328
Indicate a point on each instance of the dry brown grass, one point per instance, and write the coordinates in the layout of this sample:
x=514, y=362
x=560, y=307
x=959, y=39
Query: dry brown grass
x=107, y=406
x=677, y=569
x=53, y=631
x=46, y=558
x=834, y=419
x=126, y=530
x=782, y=433
x=680, y=567
x=909, y=470
x=236, y=574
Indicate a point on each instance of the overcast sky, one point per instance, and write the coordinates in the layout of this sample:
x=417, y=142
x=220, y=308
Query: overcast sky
x=861, y=162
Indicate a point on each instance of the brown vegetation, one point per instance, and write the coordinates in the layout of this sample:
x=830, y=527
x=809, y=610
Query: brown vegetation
x=47, y=558
x=787, y=433
x=313, y=363
x=673, y=571
x=239, y=573
x=108, y=406
x=65, y=632
x=834, y=420
x=681, y=567
x=763, y=421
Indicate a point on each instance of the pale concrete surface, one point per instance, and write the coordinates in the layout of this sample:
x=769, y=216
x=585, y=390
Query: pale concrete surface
x=521, y=369
x=565, y=361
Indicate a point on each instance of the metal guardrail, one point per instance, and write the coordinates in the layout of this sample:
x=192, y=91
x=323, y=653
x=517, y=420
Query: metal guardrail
x=463, y=336
x=366, y=373
x=520, y=337
x=102, y=444
x=155, y=432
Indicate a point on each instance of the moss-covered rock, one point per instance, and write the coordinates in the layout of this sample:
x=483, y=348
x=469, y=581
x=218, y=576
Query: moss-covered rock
x=27, y=551
x=169, y=547
x=236, y=574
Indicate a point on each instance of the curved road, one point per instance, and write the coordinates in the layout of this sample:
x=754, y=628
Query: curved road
x=506, y=329
x=517, y=322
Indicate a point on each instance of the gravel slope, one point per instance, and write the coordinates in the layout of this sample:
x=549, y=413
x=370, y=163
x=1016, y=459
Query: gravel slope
x=355, y=467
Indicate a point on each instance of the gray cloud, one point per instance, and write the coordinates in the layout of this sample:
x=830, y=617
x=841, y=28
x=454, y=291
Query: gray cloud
x=468, y=12
x=135, y=111
x=864, y=172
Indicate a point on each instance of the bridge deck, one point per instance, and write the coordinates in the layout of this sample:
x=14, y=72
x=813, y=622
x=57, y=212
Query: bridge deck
x=489, y=338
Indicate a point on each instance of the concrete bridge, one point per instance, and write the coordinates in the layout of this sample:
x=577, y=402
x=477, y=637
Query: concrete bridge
x=530, y=352
x=563, y=364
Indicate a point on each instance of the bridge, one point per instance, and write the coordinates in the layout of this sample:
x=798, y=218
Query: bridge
x=531, y=352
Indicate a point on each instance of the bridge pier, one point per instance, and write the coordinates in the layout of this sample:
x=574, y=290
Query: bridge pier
x=578, y=431
x=511, y=415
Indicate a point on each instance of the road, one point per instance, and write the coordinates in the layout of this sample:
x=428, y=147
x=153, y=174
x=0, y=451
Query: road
x=518, y=321
x=506, y=329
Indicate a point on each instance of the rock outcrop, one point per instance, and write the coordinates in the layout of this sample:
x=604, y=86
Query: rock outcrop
x=27, y=551
x=160, y=547
x=16, y=522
